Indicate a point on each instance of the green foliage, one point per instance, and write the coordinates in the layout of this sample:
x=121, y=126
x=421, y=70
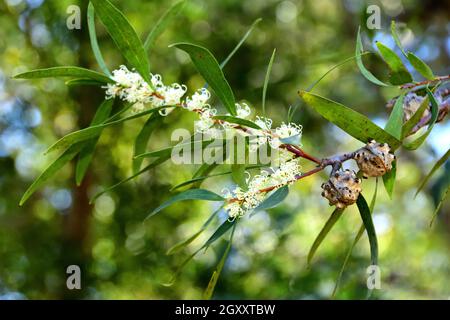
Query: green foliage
x=94, y=43
x=68, y=71
x=274, y=199
x=140, y=144
x=124, y=36
x=352, y=122
x=420, y=66
x=436, y=166
x=192, y=194
x=210, y=70
x=266, y=81
x=366, y=217
x=399, y=74
x=395, y=122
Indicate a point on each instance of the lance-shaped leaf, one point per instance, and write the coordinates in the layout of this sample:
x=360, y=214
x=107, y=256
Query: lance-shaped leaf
x=140, y=144
x=396, y=37
x=91, y=132
x=87, y=152
x=210, y=70
x=216, y=274
x=337, y=213
x=273, y=199
x=436, y=166
x=395, y=121
x=188, y=147
x=66, y=71
x=83, y=82
x=413, y=145
x=352, y=122
x=366, y=217
x=68, y=155
x=266, y=81
x=355, y=241
x=124, y=36
x=240, y=121
x=192, y=194
x=93, y=37
x=358, y=54
x=399, y=74
x=420, y=66
x=162, y=24
x=389, y=179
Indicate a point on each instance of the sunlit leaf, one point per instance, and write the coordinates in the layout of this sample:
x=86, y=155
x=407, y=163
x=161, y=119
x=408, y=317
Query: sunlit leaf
x=337, y=213
x=352, y=122
x=210, y=70
x=389, y=179
x=180, y=146
x=395, y=122
x=420, y=66
x=396, y=37
x=436, y=166
x=192, y=194
x=93, y=38
x=66, y=71
x=124, y=36
x=68, y=155
x=366, y=217
x=399, y=74
x=266, y=81
x=358, y=54
x=162, y=24
x=83, y=82
x=439, y=205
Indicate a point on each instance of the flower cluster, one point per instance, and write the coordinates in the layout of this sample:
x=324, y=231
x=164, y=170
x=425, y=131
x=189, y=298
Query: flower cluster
x=241, y=202
x=131, y=87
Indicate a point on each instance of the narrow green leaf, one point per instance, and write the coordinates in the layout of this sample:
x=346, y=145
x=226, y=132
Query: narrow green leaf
x=436, y=166
x=240, y=43
x=355, y=241
x=396, y=37
x=216, y=274
x=337, y=213
x=162, y=24
x=124, y=36
x=395, y=122
x=140, y=144
x=366, y=217
x=266, y=81
x=192, y=194
x=176, y=248
x=91, y=132
x=66, y=71
x=152, y=165
x=409, y=125
x=210, y=70
x=87, y=152
x=399, y=74
x=167, y=151
x=68, y=155
x=352, y=122
x=238, y=175
x=438, y=207
x=389, y=179
x=358, y=54
x=93, y=38
x=273, y=199
x=413, y=145
x=83, y=82
x=240, y=121
x=420, y=66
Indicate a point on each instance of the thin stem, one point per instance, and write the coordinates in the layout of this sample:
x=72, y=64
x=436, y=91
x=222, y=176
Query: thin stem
x=421, y=83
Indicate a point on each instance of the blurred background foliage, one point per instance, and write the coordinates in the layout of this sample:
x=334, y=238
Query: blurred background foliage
x=123, y=258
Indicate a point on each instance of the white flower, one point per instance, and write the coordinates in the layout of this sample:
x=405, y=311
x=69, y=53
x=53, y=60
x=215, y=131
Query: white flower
x=264, y=123
x=172, y=94
x=288, y=130
x=199, y=100
x=242, y=110
x=206, y=120
x=286, y=173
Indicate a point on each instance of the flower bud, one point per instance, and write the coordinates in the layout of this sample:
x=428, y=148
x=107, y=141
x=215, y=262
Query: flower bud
x=342, y=189
x=374, y=159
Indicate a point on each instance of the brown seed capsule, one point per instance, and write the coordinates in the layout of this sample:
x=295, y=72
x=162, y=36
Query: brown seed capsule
x=342, y=189
x=374, y=159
